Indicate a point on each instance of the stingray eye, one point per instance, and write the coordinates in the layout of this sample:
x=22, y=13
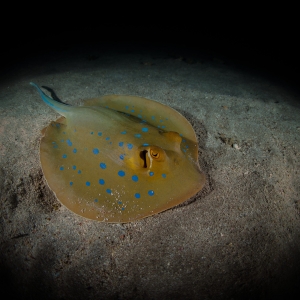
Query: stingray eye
x=154, y=154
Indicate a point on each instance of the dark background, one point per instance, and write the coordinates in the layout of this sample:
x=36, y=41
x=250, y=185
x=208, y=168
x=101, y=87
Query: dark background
x=265, y=42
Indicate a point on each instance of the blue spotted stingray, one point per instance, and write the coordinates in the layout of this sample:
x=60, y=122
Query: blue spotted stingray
x=119, y=158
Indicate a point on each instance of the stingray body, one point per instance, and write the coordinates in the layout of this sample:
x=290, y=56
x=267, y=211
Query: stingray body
x=119, y=158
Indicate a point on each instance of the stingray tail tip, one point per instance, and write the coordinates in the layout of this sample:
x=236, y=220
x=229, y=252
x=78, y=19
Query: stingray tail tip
x=61, y=108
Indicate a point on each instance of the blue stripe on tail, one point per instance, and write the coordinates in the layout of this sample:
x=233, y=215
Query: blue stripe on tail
x=57, y=106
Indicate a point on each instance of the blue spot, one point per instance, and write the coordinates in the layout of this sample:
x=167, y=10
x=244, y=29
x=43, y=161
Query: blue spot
x=151, y=173
x=129, y=146
x=92, y=132
x=57, y=125
x=153, y=117
x=74, y=150
x=121, y=173
x=102, y=165
x=55, y=146
x=132, y=110
x=145, y=145
x=74, y=167
x=151, y=193
x=161, y=120
x=99, y=133
x=186, y=146
x=79, y=171
x=61, y=168
x=123, y=132
x=123, y=208
x=143, y=121
x=158, y=126
x=96, y=200
x=71, y=183
x=145, y=129
x=87, y=183
x=69, y=142
x=139, y=116
x=101, y=181
x=180, y=134
x=184, y=150
x=138, y=135
x=122, y=156
x=135, y=178
x=108, y=191
x=126, y=107
x=62, y=141
x=64, y=156
x=163, y=126
x=75, y=130
x=137, y=195
x=96, y=151
x=107, y=138
x=121, y=144
x=183, y=140
x=119, y=202
x=163, y=175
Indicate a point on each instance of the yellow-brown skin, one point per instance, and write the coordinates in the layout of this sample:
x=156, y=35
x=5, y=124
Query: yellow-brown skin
x=164, y=161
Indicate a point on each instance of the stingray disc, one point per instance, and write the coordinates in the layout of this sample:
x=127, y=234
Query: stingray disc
x=120, y=158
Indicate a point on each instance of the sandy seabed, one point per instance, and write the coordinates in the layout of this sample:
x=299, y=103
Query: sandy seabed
x=239, y=238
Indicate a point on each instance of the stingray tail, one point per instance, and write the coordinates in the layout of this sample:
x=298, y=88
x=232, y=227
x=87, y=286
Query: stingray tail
x=60, y=107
